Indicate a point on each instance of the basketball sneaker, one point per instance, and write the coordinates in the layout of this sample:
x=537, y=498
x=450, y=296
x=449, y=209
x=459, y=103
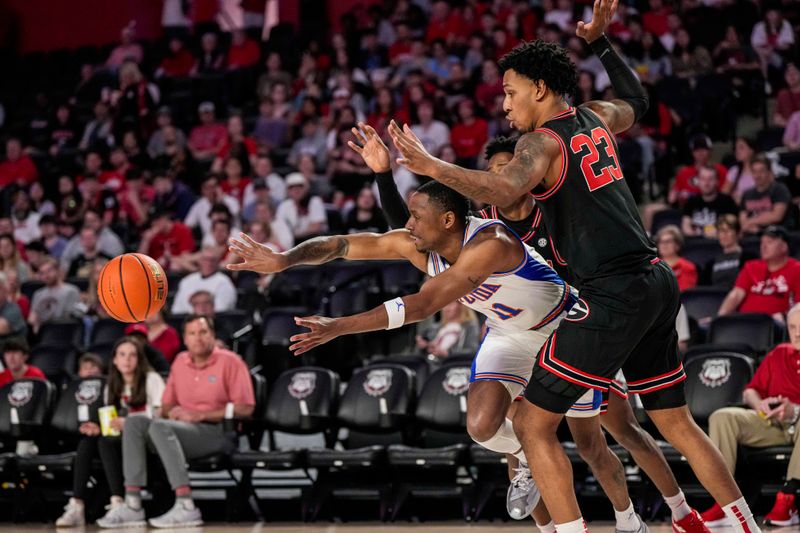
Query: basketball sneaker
x=641, y=529
x=122, y=515
x=691, y=523
x=73, y=515
x=183, y=514
x=714, y=516
x=523, y=494
x=784, y=512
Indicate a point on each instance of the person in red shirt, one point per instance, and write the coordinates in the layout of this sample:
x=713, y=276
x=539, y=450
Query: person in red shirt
x=15, y=357
x=444, y=23
x=166, y=238
x=788, y=100
x=178, y=62
x=770, y=419
x=402, y=44
x=769, y=284
x=234, y=183
x=655, y=20
x=207, y=138
x=237, y=144
x=670, y=241
x=18, y=167
x=243, y=52
x=470, y=134
x=162, y=336
x=490, y=87
x=686, y=180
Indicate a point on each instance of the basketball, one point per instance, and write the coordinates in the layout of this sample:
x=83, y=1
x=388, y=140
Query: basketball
x=132, y=287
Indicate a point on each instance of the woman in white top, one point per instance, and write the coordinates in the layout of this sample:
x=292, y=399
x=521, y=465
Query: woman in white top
x=134, y=389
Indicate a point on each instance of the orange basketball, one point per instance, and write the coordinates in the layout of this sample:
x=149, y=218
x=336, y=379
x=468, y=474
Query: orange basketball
x=132, y=287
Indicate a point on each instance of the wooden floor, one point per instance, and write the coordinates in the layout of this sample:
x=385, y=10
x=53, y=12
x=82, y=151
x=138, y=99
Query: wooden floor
x=433, y=527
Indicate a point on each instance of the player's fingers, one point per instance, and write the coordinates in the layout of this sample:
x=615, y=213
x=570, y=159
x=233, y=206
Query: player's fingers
x=369, y=130
x=359, y=135
x=235, y=266
x=356, y=148
x=250, y=240
x=596, y=9
x=402, y=161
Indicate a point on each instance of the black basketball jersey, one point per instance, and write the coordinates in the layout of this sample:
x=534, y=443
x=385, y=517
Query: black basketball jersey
x=590, y=210
x=533, y=232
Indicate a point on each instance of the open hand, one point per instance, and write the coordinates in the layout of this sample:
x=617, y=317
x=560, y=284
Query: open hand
x=370, y=148
x=323, y=329
x=602, y=13
x=413, y=154
x=257, y=257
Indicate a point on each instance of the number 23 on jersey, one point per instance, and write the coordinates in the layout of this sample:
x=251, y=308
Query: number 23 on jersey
x=596, y=176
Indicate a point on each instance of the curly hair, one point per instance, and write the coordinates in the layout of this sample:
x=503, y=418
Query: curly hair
x=500, y=145
x=540, y=60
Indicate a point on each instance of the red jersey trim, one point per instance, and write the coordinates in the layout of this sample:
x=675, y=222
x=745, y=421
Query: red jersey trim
x=564, y=164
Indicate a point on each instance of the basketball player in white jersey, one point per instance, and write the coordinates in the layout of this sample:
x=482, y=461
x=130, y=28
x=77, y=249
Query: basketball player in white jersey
x=479, y=262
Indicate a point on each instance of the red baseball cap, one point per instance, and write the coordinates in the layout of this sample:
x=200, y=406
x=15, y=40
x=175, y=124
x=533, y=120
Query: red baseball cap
x=136, y=328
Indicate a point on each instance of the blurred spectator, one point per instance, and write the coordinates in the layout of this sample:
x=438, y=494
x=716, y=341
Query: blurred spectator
x=202, y=303
x=162, y=336
x=700, y=213
x=127, y=50
x=279, y=232
x=167, y=136
x=98, y=131
x=137, y=157
x=40, y=203
x=90, y=300
x=135, y=103
x=136, y=200
x=312, y=142
x=15, y=294
x=457, y=331
x=177, y=62
x=772, y=38
x=210, y=195
x=12, y=323
x=212, y=59
x=81, y=266
x=432, y=133
x=726, y=265
x=767, y=202
x=469, y=134
x=366, y=216
x=208, y=137
x=770, y=419
x=171, y=195
x=10, y=258
x=192, y=427
x=788, y=101
x=90, y=365
x=263, y=172
x=689, y=60
x=209, y=278
x=154, y=357
x=218, y=239
x=669, y=242
x=685, y=184
x=791, y=135
x=274, y=74
x=15, y=359
x=346, y=169
x=63, y=132
x=24, y=218
x=234, y=183
x=70, y=207
x=135, y=390
x=243, y=51
x=108, y=242
x=237, y=145
x=740, y=175
x=303, y=213
x=36, y=254
x=56, y=300
x=766, y=285
x=166, y=239
x=17, y=168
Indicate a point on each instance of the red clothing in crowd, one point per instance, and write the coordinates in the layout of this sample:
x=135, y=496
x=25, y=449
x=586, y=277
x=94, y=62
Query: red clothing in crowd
x=250, y=146
x=244, y=55
x=223, y=379
x=686, y=181
x=769, y=292
x=686, y=272
x=22, y=171
x=468, y=139
x=779, y=374
x=31, y=372
x=443, y=29
x=168, y=343
x=486, y=94
x=179, y=64
x=204, y=10
x=399, y=48
x=179, y=240
x=24, y=305
x=237, y=191
x=655, y=22
x=208, y=137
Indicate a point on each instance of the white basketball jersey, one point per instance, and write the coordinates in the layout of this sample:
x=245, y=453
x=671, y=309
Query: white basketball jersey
x=528, y=297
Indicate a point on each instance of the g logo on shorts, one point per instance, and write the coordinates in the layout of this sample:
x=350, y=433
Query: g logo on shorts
x=579, y=311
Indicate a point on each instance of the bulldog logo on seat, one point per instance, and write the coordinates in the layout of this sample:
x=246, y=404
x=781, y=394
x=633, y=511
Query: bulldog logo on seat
x=456, y=381
x=715, y=372
x=88, y=391
x=302, y=384
x=378, y=382
x=21, y=393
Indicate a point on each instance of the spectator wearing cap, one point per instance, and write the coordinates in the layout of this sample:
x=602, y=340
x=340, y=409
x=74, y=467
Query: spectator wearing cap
x=177, y=62
x=12, y=323
x=767, y=202
x=208, y=137
x=767, y=285
x=210, y=195
x=162, y=336
x=208, y=278
x=669, y=242
x=312, y=142
x=171, y=195
x=263, y=172
x=154, y=356
x=469, y=134
x=303, y=213
x=15, y=359
x=769, y=419
x=166, y=239
x=17, y=167
x=685, y=184
x=700, y=213
x=166, y=134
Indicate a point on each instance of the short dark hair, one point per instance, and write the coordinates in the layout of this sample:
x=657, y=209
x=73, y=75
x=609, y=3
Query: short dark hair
x=500, y=145
x=446, y=198
x=763, y=159
x=93, y=358
x=540, y=60
x=16, y=344
x=194, y=316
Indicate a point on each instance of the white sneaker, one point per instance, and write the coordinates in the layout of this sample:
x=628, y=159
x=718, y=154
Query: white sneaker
x=523, y=494
x=183, y=514
x=122, y=515
x=73, y=515
x=641, y=529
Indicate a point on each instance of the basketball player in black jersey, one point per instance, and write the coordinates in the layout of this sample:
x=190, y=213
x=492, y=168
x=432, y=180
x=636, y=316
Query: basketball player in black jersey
x=629, y=300
x=525, y=218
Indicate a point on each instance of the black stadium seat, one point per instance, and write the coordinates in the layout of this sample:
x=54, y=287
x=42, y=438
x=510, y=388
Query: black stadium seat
x=107, y=331
x=715, y=380
x=754, y=330
x=701, y=252
x=54, y=361
x=419, y=364
x=703, y=302
x=25, y=408
x=61, y=333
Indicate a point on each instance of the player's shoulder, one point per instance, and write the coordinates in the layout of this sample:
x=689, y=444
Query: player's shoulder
x=541, y=142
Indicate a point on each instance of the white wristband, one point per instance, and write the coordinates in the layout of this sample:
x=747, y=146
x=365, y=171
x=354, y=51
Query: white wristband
x=396, y=310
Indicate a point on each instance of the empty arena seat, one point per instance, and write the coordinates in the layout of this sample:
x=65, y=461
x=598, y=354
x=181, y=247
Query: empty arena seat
x=752, y=329
x=54, y=361
x=700, y=251
x=733, y=348
x=61, y=333
x=107, y=330
x=703, y=302
x=399, y=278
x=715, y=380
x=278, y=325
x=296, y=286
x=665, y=217
x=229, y=323
x=25, y=408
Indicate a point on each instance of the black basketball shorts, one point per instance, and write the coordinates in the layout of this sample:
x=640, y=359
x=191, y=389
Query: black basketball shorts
x=620, y=322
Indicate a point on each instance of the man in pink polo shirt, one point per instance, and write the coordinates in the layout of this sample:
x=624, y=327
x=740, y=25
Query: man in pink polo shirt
x=202, y=382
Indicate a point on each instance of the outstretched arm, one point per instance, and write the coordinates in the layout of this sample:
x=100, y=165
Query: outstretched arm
x=474, y=265
x=376, y=155
x=632, y=102
x=260, y=258
x=532, y=157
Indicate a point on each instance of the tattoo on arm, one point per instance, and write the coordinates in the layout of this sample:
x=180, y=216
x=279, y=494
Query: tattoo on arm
x=318, y=250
